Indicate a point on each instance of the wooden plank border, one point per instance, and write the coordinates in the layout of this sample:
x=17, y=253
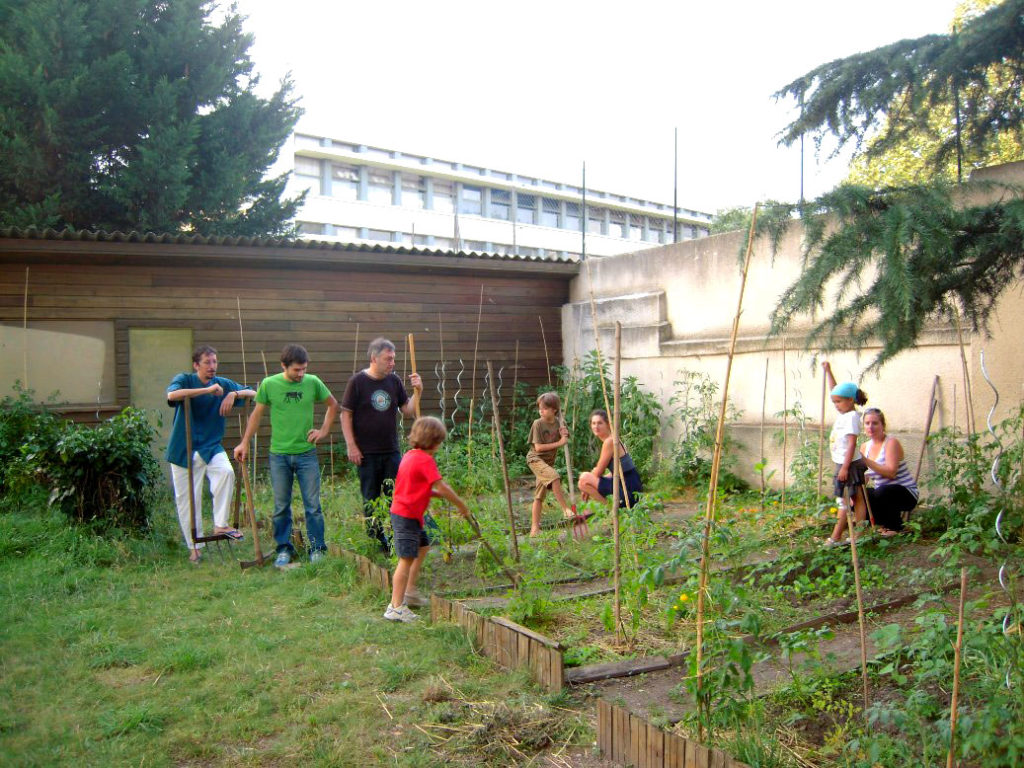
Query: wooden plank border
x=627, y=739
x=506, y=643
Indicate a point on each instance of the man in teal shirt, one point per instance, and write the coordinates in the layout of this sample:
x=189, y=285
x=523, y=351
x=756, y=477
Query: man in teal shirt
x=290, y=396
x=211, y=399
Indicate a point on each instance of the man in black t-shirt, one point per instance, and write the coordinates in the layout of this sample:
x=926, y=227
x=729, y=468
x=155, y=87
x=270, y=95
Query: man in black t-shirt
x=369, y=411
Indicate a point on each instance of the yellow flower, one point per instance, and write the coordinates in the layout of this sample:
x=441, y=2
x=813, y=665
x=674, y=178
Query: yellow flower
x=833, y=510
x=683, y=597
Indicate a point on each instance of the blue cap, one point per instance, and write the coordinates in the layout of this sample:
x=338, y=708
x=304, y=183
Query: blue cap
x=846, y=389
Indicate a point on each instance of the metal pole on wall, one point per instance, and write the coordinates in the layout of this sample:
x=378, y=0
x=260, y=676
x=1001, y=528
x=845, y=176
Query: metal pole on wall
x=675, y=188
x=583, y=216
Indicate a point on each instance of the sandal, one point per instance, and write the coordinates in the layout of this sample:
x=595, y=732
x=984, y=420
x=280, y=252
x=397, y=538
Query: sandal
x=885, y=533
x=232, y=533
x=830, y=542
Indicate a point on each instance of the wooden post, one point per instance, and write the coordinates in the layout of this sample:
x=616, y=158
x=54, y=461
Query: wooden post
x=951, y=757
x=821, y=429
x=412, y=361
x=716, y=462
x=764, y=406
x=472, y=397
x=186, y=407
x=968, y=396
x=24, y=334
x=504, y=466
x=785, y=423
x=616, y=476
x=547, y=360
x=355, y=351
x=851, y=524
x=932, y=405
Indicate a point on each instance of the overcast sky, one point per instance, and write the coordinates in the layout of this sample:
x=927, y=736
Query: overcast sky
x=540, y=88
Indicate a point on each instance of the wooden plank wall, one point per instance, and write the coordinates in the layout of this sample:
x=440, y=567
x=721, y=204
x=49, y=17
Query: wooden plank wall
x=506, y=643
x=626, y=739
x=317, y=305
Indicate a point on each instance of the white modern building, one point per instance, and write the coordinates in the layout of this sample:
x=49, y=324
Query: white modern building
x=372, y=196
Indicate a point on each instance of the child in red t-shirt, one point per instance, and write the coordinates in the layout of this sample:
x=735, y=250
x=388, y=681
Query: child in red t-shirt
x=417, y=483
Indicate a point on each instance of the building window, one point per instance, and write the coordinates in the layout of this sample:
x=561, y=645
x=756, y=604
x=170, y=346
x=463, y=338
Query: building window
x=381, y=188
x=378, y=234
x=344, y=181
x=346, y=233
x=501, y=204
x=414, y=192
x=471, y=200
x=572, y=217
x=476, y=245
x=618, y=225
x=443, y=243
x=307, y=166
x=310, y=228
x=549, y=212
x=443, y=202
x=526, y=209
x=595, y=220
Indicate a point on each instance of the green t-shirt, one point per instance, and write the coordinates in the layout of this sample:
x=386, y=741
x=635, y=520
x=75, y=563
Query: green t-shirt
x=291, y=410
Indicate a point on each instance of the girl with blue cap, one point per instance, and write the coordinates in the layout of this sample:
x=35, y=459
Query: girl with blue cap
x=850, y=466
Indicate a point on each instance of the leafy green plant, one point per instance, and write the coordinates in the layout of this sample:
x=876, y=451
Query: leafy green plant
x=696, y=413
x=105, y=475
x=28, y=431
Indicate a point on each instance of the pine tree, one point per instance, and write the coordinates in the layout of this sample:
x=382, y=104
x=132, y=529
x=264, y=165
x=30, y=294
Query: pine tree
x=887, y=95
x=892, y=258
x=137, y=115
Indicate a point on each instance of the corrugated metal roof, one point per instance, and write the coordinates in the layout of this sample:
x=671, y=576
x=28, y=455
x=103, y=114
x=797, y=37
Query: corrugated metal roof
x=32, y=233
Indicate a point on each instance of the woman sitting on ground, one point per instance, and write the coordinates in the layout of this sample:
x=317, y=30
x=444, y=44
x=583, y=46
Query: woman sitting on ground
x=894, y=491
x=595, y=484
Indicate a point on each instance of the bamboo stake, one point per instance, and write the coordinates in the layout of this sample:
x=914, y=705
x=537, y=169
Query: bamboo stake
x=472, y=397
x=515, y=382
x=968, y=396
x=547, y=360
x=716, y=461
x=851, y=524
x=785, y=422
x=600, y=362
x=764, y=406
x=355, y=351
x=616, y=477
x=241, y=338
x=412, y=362
x=932, y=405
x=504, y=466
x=24, y=334
x=950, y=758
x=821, y=429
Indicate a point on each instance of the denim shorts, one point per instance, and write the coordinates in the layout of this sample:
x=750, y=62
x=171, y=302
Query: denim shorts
x=854, y=478
x=409, y=536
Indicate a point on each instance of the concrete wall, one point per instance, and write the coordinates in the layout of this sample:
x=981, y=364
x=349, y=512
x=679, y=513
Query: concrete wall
x=677, y=303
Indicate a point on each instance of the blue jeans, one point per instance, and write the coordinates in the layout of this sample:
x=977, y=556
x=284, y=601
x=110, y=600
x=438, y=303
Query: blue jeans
x=284, y=470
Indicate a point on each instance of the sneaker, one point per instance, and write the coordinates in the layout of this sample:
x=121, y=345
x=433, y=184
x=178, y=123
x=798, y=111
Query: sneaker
x=317, y=556
x=402, y=613
x=283, y=559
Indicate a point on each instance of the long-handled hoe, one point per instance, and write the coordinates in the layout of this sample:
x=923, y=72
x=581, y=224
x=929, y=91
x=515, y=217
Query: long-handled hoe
x=490, y=550
x=250, y=512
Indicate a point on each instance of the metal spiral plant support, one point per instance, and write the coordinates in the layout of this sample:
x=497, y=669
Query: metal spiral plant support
x=458, y=390
x=1010, y=619
x=439, y=375
x=500, y=382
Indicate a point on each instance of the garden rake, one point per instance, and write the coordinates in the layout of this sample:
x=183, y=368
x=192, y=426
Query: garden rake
x=250, y=510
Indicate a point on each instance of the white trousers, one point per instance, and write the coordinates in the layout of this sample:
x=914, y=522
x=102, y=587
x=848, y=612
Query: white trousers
x=222, y=485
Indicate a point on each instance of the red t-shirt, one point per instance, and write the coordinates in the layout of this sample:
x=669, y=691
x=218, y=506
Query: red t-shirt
x=416, y=474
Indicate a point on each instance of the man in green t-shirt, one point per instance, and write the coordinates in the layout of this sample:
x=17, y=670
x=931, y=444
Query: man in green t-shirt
x=290, y=396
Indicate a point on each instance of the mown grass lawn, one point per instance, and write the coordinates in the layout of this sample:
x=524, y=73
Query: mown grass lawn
x=121, y=653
